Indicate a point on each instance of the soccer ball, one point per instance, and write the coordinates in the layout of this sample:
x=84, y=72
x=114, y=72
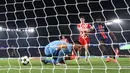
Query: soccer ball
x=24, y=60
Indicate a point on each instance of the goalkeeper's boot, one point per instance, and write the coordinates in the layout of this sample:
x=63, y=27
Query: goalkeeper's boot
x=44, y=61
x=60, y=64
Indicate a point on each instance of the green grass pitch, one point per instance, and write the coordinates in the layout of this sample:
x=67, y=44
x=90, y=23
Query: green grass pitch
x=93, y=65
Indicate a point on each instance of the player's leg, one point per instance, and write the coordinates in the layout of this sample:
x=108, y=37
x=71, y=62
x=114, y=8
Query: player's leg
x=104, y=50
x=86, y=51
x=114, y=55
x=82, y=43
x=50, y=56
x=61, y=56
x=75, y=55
x=110, y=50
x=109, y=53
x=86, y=46
x=103, y=46
x=115, y=51
x=49, y=59
x=85, y=42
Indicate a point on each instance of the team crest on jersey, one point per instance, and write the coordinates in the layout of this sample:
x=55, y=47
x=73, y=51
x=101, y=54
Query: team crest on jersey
x=83, y=26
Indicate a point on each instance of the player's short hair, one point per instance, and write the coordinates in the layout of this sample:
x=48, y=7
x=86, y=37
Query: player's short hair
x=98, y=19
x=82, y=17
x=77, y=42
x=61, y=37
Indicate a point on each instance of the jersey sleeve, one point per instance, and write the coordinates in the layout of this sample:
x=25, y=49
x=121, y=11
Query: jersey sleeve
x=78, y=26
x=89, y=25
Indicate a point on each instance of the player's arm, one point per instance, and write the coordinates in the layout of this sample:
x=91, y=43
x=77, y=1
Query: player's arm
x=113, y=35
x=79, y=28
x=92, y=29
x=61, y=46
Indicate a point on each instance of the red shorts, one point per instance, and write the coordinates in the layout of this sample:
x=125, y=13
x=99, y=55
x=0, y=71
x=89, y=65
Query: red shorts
x=83, y=40
x=73, y=55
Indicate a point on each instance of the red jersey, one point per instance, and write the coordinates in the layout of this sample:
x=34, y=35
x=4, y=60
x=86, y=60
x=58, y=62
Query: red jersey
x=83, y=29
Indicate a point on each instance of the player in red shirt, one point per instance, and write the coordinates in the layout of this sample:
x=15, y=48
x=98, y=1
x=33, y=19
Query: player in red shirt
x=84, y=30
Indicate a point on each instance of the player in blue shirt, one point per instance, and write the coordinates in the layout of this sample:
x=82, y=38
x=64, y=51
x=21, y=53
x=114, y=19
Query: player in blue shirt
x=58, y=49
x=102, y=35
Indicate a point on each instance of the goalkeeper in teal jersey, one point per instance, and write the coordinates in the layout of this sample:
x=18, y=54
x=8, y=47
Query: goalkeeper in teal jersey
x=58, y=49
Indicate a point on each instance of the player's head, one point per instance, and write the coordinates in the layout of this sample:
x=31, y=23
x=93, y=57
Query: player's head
x=98, y=20
x=82, y=19
x=77, y=45
x=62, y=37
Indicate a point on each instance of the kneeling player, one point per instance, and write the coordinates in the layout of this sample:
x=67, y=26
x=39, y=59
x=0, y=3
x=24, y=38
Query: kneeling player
x=58, y=50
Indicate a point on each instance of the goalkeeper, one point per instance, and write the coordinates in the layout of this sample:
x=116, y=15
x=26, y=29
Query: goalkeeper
x=58, y=50
x=104, y=39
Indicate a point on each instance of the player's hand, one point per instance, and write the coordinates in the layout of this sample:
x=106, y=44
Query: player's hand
x=87, y=30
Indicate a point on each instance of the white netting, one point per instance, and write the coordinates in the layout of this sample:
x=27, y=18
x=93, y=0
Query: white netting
x=27, y=26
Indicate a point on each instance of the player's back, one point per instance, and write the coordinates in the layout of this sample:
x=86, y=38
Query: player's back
x=52, y=46
x=56, y=43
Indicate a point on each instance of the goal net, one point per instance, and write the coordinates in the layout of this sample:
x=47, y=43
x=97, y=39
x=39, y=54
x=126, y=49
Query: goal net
x=27, y=26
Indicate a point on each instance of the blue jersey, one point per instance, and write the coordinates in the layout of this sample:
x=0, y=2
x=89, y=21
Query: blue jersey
x=52, y=47
x=100, y=27
x=102, y=34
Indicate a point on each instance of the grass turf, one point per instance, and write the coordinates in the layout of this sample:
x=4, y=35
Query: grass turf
x=93, y=65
